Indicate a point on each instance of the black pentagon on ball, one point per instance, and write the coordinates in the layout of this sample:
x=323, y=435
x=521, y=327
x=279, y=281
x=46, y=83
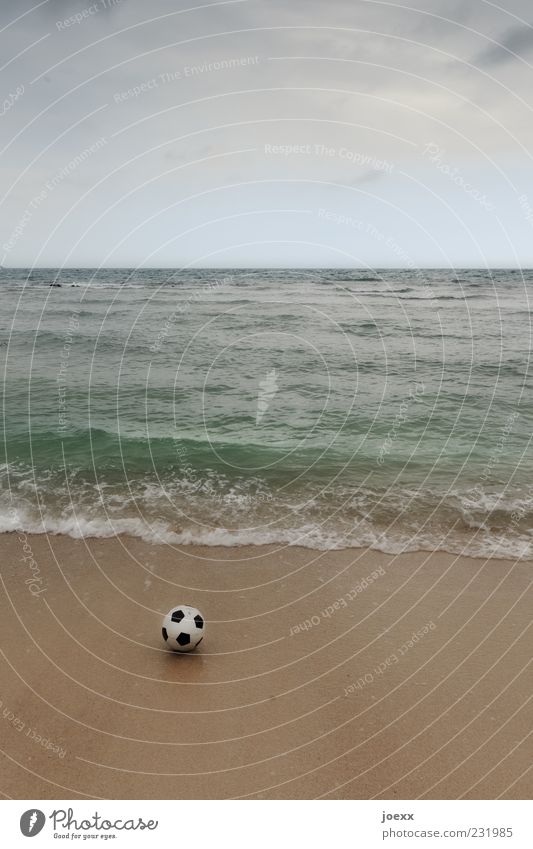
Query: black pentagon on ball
x=183, y=639
x=165, y=633
x=199, y=621
x=177, y=616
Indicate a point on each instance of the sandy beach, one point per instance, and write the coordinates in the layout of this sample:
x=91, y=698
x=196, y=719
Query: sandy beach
x=342, y=674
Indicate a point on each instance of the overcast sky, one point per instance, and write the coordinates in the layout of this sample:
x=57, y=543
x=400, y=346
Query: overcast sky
x=266, y=132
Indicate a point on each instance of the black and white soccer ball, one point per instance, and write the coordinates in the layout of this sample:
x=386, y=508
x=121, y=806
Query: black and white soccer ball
x=183, y=628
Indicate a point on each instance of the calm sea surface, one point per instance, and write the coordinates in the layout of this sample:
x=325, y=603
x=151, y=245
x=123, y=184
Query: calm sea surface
x=325, y=408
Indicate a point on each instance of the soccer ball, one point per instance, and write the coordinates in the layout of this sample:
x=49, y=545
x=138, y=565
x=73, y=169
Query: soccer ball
x=183, y=628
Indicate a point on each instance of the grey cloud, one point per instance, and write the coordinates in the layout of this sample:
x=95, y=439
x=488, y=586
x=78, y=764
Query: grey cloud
x=28, y=16
x=384, y=79
x=11, y=9
x=372, y=176
x=518, y=41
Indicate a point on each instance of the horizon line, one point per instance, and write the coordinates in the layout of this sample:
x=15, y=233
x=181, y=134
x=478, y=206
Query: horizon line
x=265, y=268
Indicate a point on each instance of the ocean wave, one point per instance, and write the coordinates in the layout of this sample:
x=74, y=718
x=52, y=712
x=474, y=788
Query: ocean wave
x=346, y=451
x=479, y=543
x=211, y=510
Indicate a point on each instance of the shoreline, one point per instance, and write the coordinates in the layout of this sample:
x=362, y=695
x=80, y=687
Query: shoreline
x=456, y=549
x=334, y=674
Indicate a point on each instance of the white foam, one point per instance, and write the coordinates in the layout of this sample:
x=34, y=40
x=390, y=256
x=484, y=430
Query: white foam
x=308, y=536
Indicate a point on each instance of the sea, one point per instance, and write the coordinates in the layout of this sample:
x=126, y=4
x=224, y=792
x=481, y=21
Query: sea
x=326, y=408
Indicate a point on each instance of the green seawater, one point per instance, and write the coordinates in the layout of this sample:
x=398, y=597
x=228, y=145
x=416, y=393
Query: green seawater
x=327, y=408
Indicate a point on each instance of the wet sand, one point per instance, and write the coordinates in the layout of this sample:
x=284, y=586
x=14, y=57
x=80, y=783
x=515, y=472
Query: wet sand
x=343, y=674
